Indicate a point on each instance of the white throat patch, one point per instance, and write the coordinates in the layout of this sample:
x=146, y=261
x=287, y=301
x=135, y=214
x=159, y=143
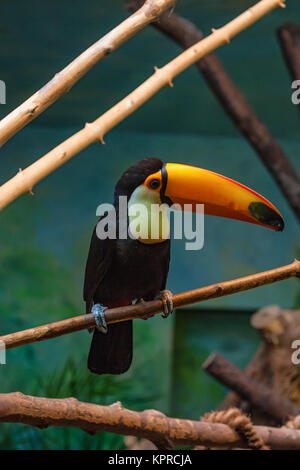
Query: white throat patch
x=148, y=217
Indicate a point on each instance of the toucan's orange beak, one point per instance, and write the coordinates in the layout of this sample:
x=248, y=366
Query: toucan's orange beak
x=222, y=196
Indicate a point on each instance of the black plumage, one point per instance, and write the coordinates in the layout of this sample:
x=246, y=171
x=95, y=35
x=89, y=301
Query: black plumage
x=119, y=271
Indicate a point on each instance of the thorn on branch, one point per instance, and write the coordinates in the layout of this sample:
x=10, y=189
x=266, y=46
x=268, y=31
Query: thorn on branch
x=31, y=111
x=29, y=189
x=117, y=404
x=108, y=50
x=91, y=127
x=169, y=80
x=226, y=36
x=62, y=155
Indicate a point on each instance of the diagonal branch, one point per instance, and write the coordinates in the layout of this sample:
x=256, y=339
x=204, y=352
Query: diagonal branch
x=185, y=33
x=146, y=310
x=289, y=39
x=25, y=180
x=259, y=395
x=148, y=424
x=63, y=81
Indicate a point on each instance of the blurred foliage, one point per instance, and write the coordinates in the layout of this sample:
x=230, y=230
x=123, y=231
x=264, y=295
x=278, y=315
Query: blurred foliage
x=197, y=334
x=31, y=277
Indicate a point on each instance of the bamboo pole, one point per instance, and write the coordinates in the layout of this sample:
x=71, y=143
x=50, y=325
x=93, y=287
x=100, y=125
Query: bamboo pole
x=148, y=424
x=25, y=180
x=63, y=81
x=146, y=310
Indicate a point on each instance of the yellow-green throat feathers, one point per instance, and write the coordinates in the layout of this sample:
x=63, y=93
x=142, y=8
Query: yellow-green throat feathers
x=148, y=217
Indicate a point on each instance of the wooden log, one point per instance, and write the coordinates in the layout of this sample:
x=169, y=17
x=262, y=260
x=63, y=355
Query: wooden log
x=270, y=152
x=260, y=396
x=145, y=310
x=148, y=424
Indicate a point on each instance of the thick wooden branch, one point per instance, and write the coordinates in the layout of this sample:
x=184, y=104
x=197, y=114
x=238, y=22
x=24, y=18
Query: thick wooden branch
x=272, y=364
x=148, y=424
x=289, y=39
x=26, y=179
x=145, y=310
x=185, y=33
x=63, y=81
x=260, y=396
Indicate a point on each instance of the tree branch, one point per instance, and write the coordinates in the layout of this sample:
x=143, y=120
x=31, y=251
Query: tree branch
x=185, y=33
x=25, y=180
x=272, y=364
x=145, y=310
x=148, y=424
x=289, y=39
x=63, y=81
x=259, y=395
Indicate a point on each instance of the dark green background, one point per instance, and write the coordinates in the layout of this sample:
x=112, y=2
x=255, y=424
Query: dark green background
x=44, y=239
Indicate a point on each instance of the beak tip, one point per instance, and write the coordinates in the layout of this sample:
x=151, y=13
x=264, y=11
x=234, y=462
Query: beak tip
x=266, y=215
x=280, y=225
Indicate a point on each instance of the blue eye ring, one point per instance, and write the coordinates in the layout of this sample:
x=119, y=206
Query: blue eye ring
x=155, y=184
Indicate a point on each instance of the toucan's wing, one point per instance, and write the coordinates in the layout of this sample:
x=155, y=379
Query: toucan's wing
x=110, y=353
x=98, y=261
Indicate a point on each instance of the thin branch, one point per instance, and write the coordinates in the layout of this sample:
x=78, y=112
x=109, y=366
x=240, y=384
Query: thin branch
x=258, y=394
x=148, y=424
x=25, y=180
x=63, y=81
x=289, y=39
x=185, y=33
x=145, y=310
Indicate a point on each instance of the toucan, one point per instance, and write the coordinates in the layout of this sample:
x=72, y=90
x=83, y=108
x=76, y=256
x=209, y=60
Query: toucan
x=121, y=270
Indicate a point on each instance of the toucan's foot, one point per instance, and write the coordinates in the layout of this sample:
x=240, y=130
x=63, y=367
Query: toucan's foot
x=98, y=311
x=166, y=297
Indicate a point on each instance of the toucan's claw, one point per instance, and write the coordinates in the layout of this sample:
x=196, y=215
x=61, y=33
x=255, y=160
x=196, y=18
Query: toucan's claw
x=166, y=297
x=98, y=311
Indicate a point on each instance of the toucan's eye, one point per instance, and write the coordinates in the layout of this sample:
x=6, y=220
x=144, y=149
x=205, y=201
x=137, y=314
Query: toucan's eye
x=154, y=184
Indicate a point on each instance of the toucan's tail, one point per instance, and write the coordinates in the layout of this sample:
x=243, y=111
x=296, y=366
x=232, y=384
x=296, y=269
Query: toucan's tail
x=111, y=353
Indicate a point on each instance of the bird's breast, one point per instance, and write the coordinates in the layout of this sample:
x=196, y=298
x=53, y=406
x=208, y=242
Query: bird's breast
x=136, y=271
